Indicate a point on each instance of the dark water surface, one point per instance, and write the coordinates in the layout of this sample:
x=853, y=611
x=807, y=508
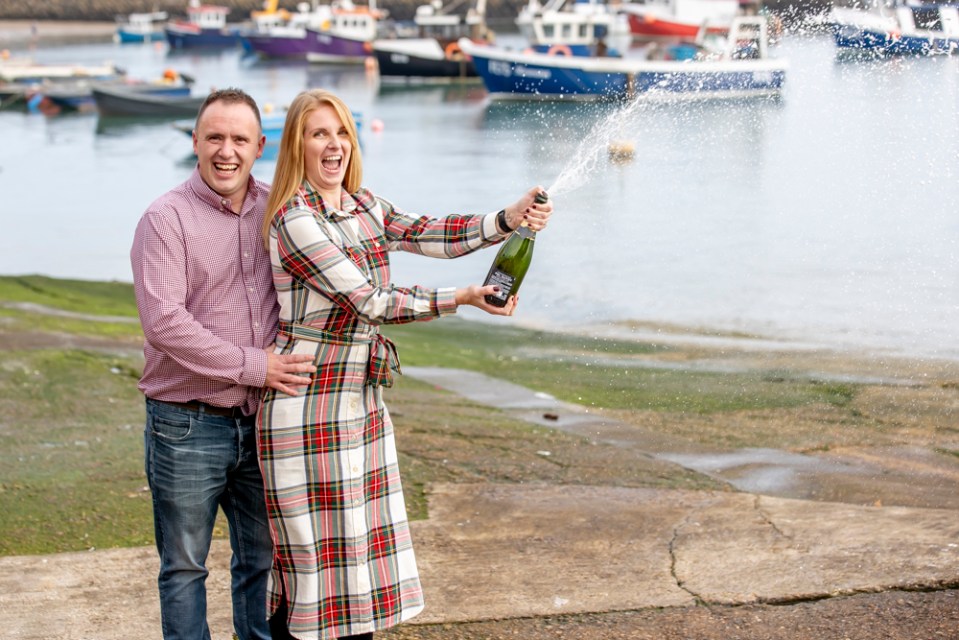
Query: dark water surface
x=829, y=217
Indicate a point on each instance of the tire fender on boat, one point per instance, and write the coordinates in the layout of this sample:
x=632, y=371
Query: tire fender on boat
x=560, y=50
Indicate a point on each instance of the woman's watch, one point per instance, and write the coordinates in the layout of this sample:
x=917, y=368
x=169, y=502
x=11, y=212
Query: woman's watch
x=501, y=221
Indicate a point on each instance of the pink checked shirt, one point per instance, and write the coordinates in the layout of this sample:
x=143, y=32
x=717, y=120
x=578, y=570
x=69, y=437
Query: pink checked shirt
x=205, y=295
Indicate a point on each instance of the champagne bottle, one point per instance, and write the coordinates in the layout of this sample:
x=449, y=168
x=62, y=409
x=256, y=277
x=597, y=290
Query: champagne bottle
x=512, y=261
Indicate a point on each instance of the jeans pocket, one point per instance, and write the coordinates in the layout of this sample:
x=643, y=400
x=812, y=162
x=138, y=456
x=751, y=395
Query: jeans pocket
x=171, y=426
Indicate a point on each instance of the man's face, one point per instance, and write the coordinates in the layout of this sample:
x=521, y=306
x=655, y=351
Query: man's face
x=227, y=140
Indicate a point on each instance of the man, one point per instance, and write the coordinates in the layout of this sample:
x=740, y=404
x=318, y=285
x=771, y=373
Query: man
x=208, y=309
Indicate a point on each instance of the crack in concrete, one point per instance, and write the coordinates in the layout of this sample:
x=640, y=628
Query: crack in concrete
x=757, y=499
x=680, y=583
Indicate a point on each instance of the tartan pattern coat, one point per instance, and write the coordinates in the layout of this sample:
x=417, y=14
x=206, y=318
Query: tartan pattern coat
x=343, y=554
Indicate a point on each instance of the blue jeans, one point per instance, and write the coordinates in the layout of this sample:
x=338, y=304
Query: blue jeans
x=195, y=463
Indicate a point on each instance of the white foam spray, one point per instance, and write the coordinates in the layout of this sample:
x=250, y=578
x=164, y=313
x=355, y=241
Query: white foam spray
x=593, y=146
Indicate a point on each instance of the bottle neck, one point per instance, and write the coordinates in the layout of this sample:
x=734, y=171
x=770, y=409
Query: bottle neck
x=524, y=230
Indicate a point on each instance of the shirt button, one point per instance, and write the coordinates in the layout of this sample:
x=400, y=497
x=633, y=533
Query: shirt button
x=250, y=289
x=256, y=324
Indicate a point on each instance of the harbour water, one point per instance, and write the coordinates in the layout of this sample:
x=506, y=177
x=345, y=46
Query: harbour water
x=829, y=217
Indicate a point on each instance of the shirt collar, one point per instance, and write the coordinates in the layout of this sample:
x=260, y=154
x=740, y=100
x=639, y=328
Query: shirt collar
x=218, y=202
x=348, y=203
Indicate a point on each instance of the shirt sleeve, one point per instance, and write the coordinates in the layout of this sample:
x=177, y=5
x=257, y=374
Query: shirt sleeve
x=160, y=284
x=449, y=237
x=306, y=251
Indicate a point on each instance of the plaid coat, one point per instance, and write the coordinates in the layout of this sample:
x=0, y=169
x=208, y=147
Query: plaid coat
x=343, y=554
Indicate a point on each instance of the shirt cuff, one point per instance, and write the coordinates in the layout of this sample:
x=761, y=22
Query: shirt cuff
x=254, y=367
x=446, y=300
x=491, y=229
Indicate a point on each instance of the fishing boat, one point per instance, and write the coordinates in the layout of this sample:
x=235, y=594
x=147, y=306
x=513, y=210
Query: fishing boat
x=737, y=66
x=574, y=28
x=280, y=34
x=122, y=102
x=78, y=95
x=347, y=37
x=931, y=29
x=204, y=27
x=140, y=27
x=678, y=19
x=433, y=54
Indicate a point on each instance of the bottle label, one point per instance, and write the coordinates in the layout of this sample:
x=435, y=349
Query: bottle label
x=504, y=281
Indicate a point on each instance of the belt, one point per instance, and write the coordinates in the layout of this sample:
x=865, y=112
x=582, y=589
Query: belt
x=202, y=407
x=383, y=359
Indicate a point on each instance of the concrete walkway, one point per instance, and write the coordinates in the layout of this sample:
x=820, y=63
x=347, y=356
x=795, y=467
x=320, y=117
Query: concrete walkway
x=499, y=551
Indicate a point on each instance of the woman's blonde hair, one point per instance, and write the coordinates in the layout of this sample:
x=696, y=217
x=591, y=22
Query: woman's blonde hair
x=290, y=163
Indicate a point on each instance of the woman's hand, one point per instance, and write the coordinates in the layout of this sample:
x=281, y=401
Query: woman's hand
x=526, y=208
x=475, y=296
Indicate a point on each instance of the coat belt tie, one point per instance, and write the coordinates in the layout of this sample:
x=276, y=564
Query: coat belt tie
x=383, y=359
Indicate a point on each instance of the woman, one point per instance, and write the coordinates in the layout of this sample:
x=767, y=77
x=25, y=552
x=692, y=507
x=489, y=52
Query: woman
x=343, y=560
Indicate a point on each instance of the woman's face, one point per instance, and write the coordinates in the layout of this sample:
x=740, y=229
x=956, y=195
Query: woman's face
x=326, y=152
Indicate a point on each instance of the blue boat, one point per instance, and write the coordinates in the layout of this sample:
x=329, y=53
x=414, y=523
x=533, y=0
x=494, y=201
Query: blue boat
x=140, y=27
x=205, y=27
x=900, y=30
x=740, y=68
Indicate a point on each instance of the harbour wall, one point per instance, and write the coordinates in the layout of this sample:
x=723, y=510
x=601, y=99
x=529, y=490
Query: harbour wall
x=498, y=11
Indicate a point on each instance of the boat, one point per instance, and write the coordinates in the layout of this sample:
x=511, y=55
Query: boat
x=24, y=82
x=78, y=95
x=737, y=66
x=678, y=19
x=27, y=71
x=347, y=36
x=904, y=29
x=121, y=102
x=140, y=27
x=433, y=54
x=337, y=32
x=278, y=33
x=204, y=27
x=574, y=28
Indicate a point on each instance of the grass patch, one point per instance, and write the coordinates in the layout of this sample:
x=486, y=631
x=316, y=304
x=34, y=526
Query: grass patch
x=71, y=461
x=78, y=296
x=14, y=319
x=570, y=371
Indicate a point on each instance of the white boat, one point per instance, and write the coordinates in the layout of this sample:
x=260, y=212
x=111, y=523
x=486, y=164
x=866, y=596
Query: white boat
x=740, y=68
x=28, y=71
x=574, y=28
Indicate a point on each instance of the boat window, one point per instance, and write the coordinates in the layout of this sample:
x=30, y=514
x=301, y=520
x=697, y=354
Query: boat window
x=927, y=18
